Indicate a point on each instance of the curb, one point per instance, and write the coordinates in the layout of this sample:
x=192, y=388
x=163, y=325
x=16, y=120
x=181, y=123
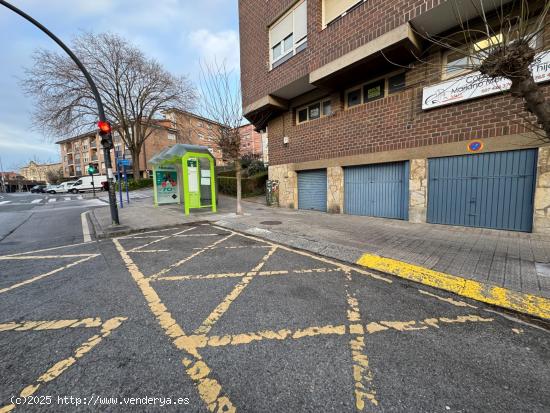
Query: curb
x=522, y=303
x=122, y=230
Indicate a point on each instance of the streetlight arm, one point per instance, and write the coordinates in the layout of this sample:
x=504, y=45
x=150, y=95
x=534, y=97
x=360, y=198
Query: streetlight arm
x=97, y=97
x=56, y=39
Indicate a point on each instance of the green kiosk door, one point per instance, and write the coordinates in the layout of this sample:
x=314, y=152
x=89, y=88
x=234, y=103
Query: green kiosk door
x=193, y=183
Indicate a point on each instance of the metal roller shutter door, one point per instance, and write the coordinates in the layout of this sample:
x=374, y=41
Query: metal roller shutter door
x=380, y=190
x=488, y=190
x=312, y=190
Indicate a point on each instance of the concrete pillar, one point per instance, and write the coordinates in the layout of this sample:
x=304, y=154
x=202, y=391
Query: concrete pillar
x=335, y=189
x=418, y=190
x=288, y=185
x=541, y=214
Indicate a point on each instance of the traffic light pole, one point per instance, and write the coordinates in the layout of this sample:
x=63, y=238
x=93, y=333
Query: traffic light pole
x=97, y=97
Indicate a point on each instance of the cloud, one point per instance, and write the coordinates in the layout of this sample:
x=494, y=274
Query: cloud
x=220, y=46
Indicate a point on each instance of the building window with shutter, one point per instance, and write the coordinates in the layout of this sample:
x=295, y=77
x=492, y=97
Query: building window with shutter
x=288, y=35
x=334, y=9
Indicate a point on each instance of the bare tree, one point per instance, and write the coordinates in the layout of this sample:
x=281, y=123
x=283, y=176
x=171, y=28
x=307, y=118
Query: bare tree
x=220, y=97
x=134, y=90
x=503, y=43
x=54, y=176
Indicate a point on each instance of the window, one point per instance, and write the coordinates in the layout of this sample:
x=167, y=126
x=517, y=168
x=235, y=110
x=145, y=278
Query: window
x=333, y=9
x=171, y=136
x=327, y=108
x=313, y=111
x=209, y=127
x=373, y=91
x=288, y=35
x=396, y=83
x=354, y=97
x=460, y=61
x=199, y=124
x=201, y=136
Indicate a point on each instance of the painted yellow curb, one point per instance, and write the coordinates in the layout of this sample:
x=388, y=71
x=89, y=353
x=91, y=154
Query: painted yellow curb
x=502, y=297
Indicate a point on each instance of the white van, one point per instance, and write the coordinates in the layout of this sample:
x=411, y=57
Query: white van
x=84, y=183
x=61, y=188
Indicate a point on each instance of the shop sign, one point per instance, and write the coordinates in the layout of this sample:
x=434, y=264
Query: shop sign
x=474, y=85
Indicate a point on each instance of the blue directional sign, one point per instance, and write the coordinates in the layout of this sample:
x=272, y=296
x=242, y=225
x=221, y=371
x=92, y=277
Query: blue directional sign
x=124, y=162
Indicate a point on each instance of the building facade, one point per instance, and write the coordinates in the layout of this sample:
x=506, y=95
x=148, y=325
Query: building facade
x=196, y=130
x=254, y=143
x=359, y=125
x=176, y=127
x=39, y=172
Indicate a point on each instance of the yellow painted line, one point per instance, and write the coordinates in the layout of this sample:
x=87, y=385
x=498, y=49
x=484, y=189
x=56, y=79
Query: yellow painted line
x=148, y=251
x=199, y=235
x=61, y=366
x=38, y=257
x=307, y=254
x=183, y=261
x=160, y=239
x=200, y=276
x=39, y=277
x=221, y=308
x=502, y=297
x=208, y=387
x=242, y=274
x=47, y=249
x=234, y=247
x=50, y=325
x=362, y=373
x=376, y=327
x=456, y=303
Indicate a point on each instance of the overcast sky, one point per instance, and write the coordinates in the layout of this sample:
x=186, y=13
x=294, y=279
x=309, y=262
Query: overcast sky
x=178, y=33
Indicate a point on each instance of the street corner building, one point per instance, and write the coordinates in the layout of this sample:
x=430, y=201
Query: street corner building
x=359, y=125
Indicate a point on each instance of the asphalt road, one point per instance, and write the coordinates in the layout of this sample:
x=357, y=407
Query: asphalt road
x=199, y=318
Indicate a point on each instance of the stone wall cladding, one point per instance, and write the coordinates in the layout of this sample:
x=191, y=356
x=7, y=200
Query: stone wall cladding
x=288, y=185
x=366, y=22
x=541, y=218
x=335, y=190
x=418, y=190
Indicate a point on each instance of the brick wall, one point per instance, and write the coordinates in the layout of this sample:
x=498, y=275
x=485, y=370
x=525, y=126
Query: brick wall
x=363, y=24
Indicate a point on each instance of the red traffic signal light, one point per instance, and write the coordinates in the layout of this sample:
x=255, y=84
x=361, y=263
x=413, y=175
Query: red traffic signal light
x=104, y=127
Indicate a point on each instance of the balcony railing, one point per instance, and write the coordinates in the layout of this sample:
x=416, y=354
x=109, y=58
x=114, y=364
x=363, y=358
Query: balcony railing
x=94, y=158
x=93, y=145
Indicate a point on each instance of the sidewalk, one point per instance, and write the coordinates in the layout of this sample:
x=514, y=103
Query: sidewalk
x=467, y=261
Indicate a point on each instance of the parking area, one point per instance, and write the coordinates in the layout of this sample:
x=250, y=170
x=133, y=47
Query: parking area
x=229, y=322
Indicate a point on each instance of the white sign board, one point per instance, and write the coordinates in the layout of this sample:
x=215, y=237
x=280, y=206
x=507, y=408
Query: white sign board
x=474, y=85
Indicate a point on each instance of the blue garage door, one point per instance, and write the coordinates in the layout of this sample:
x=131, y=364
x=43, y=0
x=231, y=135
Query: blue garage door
x=380, y=190
x=489, y=190
x=312, y=190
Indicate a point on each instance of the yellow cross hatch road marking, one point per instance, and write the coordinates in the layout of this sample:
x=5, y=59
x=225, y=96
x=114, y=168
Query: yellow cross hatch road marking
x=160, y=239
x=209, y=389
x=107, y=327
x=39, y=277
x=44, y=257
x=183, y=261
x=220, y=310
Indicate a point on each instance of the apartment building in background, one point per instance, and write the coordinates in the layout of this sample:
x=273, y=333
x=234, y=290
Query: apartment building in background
x=35, y=171
x=359, y=125
x=254, y=143
x=176, y=127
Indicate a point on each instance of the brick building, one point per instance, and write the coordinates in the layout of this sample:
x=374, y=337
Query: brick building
x=350, y=132
x=177, y=127
x=39, y=172
x=254, y=143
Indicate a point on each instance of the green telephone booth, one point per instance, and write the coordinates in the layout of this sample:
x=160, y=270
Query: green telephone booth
x=188, y=170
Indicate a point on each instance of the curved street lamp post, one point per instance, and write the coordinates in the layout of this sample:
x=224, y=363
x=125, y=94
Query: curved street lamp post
x=106, y=137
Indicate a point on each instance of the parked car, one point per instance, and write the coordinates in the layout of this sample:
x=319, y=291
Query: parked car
x=50, y=189
x=62, y=188
x=38, y=189
x=85, y=183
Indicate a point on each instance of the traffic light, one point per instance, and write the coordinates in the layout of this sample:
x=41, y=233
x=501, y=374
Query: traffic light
x=105, y=133
x=92, y=169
